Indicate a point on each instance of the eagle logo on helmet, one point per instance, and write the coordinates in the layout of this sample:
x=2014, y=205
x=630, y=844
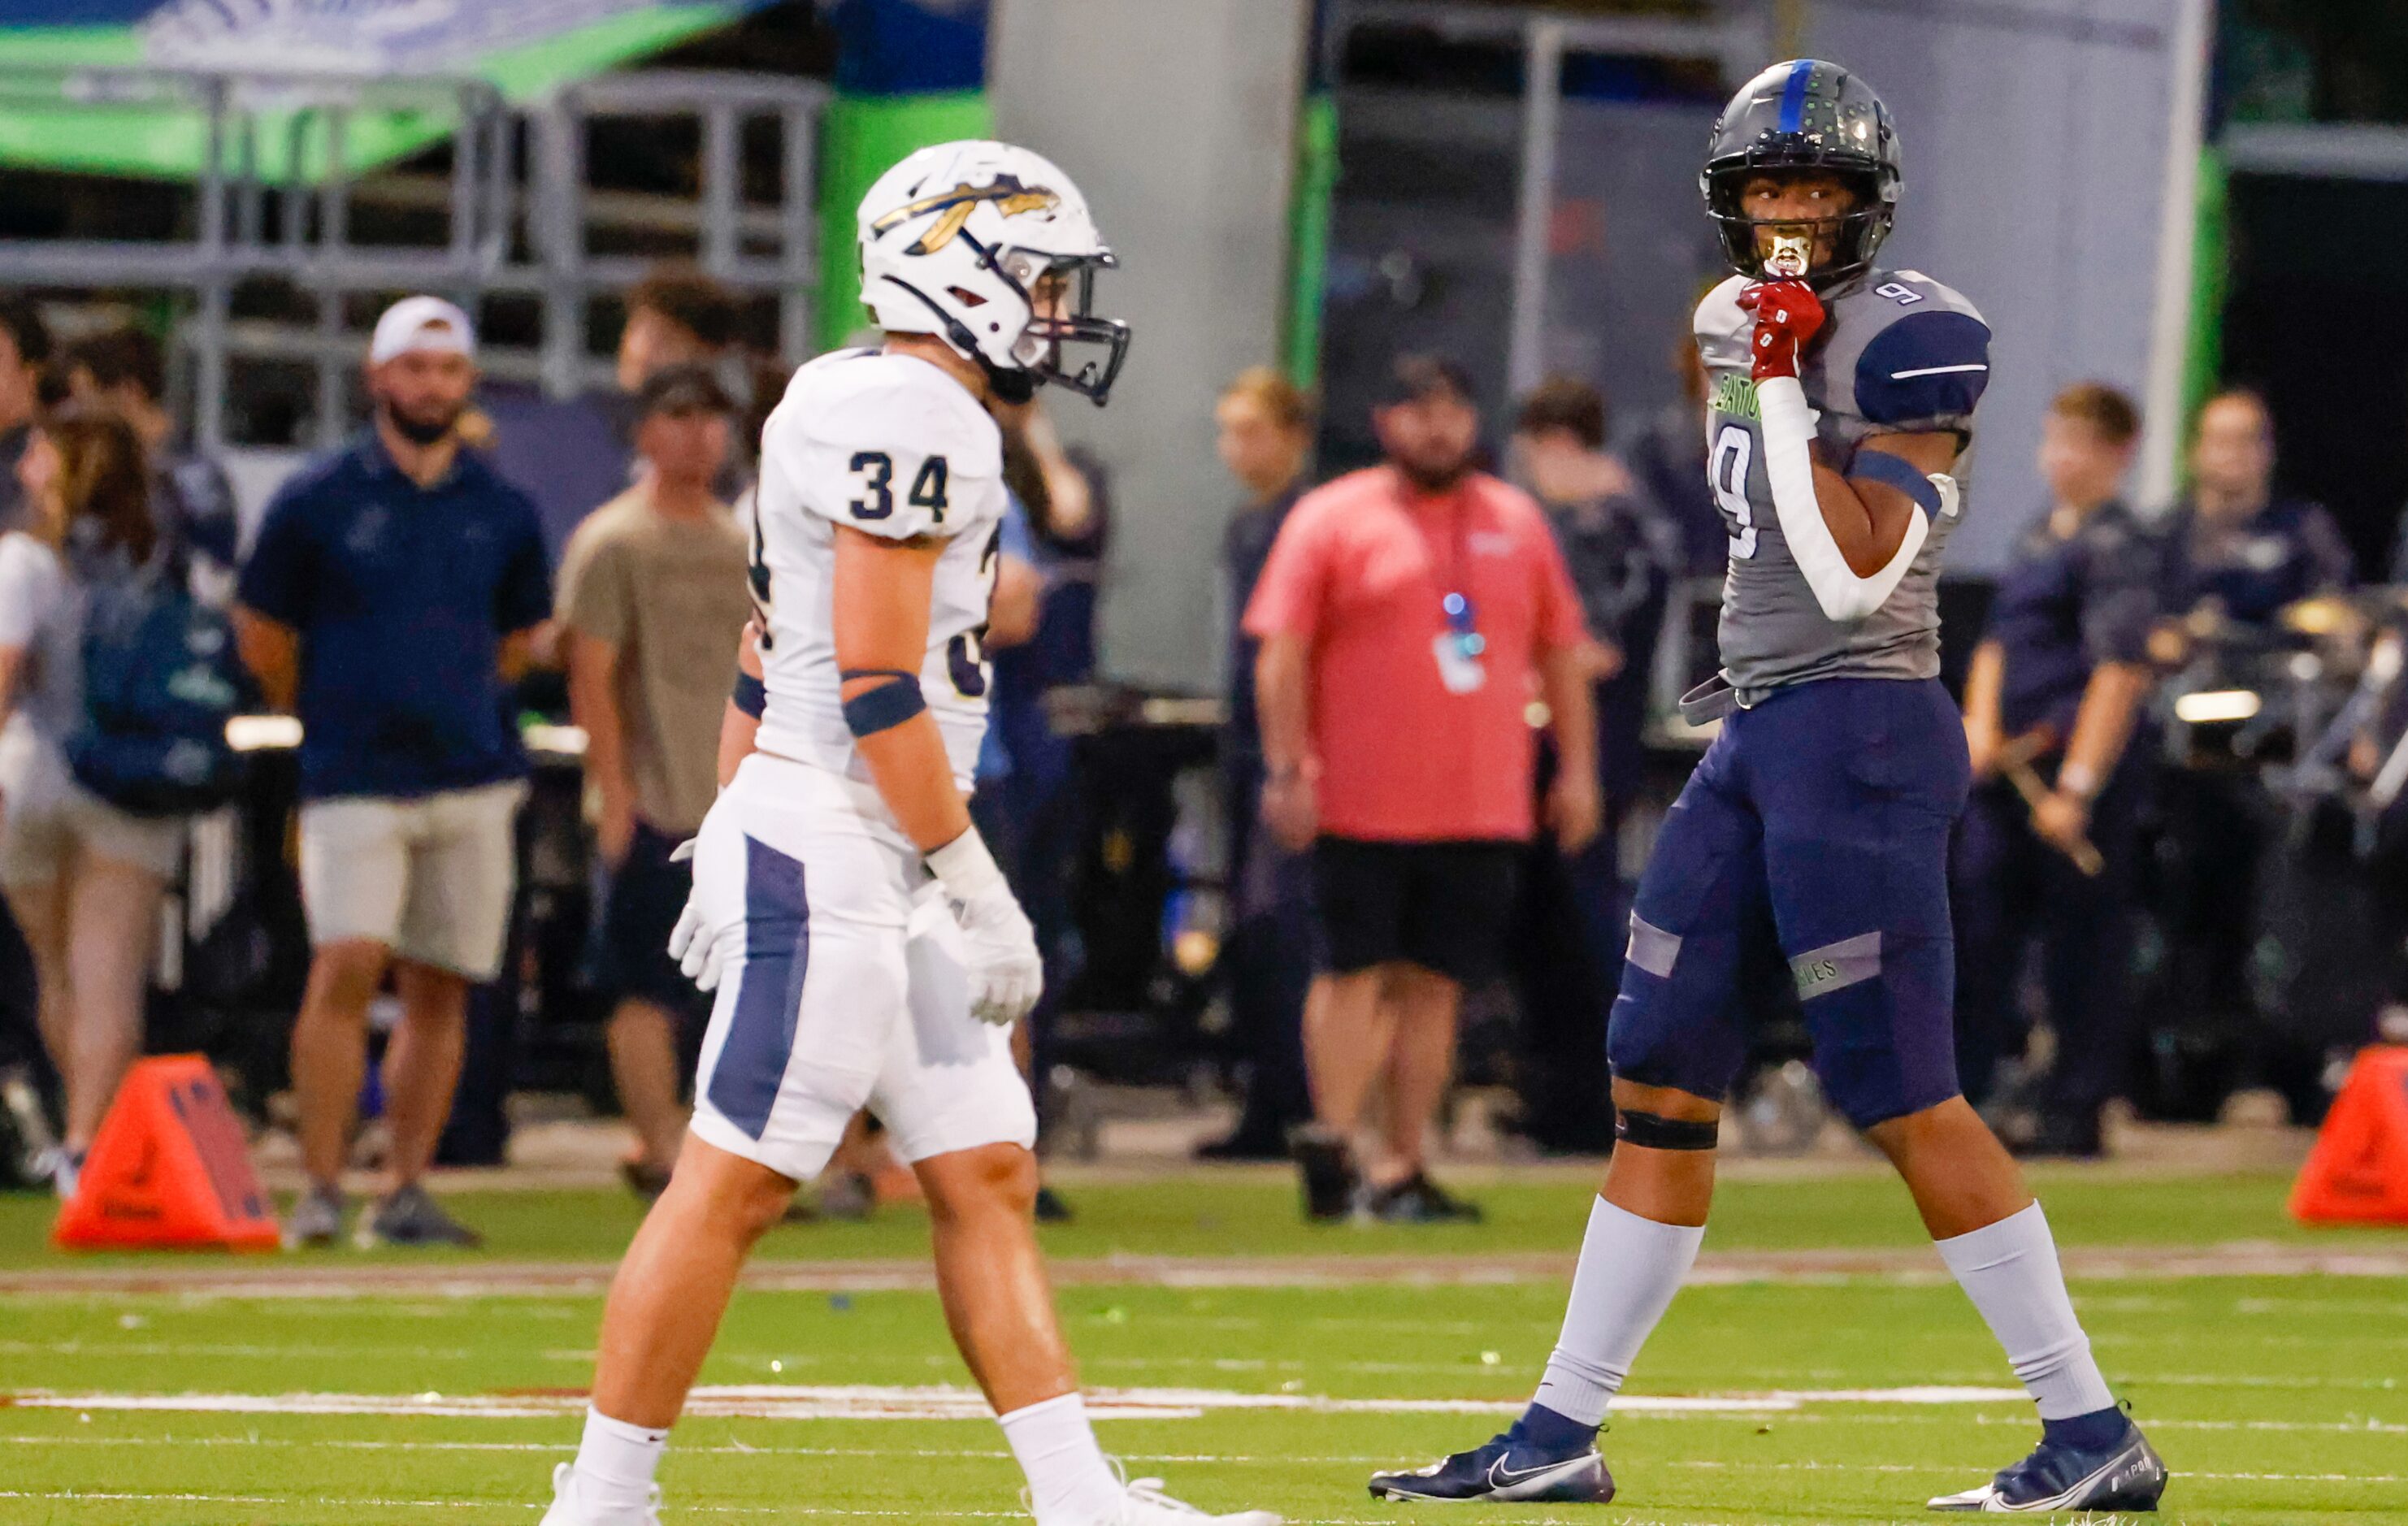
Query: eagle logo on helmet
x=1012, y=198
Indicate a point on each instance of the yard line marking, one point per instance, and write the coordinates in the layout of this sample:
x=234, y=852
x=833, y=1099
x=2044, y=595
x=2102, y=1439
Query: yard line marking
x=565, y=1448
x=799, y=1401
x=317, y=1497
x=1890, y=1265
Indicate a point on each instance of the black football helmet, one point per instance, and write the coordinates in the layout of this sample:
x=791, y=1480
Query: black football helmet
x=1805, y=114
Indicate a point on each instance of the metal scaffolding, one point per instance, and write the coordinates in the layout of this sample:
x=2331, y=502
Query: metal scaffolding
x=520, y=214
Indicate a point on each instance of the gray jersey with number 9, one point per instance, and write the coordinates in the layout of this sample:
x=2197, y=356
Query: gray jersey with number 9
x=1899, y=354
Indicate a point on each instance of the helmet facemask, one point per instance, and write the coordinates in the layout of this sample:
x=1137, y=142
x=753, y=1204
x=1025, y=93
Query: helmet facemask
x=1851, y=238
x=1060, y=290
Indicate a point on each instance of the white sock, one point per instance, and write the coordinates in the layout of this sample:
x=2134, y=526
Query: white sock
x=1629, y=1269
x=2010, y=1271
x=615, y=1462
x=1069, y=1483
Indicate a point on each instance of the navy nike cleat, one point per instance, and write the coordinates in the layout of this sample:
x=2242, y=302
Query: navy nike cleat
x=2125, y=1475
x=1506, y=1468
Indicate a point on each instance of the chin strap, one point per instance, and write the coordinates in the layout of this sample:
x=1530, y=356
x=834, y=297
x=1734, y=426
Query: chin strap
x=1789, y=466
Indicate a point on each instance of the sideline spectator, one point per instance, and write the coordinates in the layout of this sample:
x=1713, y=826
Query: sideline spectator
x=2056, y=686
x=2231, y=540
x=82, y=877
x=395, y=587
x=653, y=603
x=2235, y=555
x=124, y=369
x=1063, y=503
x=25, y=351
x=1620, y=554
x=1407, y=616
x=24, y=347
x=1264, y=424
x=676, y=316
x=1668, y=455
x=570, y=454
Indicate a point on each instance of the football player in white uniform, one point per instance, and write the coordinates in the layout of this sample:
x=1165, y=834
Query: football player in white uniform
x=864, y=948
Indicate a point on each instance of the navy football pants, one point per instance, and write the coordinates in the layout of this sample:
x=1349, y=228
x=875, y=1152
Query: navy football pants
x=1818, y=818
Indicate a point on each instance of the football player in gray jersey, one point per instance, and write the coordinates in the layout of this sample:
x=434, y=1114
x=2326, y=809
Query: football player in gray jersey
x=1842, y=398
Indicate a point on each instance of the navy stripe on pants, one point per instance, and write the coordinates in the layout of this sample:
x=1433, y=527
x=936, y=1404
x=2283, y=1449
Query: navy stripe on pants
x=752, y=1063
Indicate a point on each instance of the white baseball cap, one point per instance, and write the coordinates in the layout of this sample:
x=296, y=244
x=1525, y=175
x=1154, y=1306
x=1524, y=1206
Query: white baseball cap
x=416, y=326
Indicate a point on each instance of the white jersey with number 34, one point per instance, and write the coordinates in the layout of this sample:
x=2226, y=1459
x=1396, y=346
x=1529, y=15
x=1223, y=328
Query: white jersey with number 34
x=894, y=447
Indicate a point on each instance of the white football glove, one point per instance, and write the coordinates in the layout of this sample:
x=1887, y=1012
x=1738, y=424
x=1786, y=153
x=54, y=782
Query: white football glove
x=1005, y=974
x=697, y=953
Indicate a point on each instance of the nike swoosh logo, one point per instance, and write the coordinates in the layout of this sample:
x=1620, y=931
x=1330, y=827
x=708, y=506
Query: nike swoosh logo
x=1502, y=1477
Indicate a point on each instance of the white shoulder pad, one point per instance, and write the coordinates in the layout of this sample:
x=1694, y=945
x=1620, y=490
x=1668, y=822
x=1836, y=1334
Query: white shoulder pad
x=888, y=445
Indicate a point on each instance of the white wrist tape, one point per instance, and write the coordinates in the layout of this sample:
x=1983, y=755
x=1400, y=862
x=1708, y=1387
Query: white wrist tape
x=1789, y=467
x=964, y=867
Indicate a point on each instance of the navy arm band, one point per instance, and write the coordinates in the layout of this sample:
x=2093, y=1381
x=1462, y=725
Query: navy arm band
x=752, y=695
x=1891, y=470
x=884, y=707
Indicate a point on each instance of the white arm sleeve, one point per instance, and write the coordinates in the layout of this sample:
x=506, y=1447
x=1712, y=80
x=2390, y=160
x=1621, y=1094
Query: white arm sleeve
x=1789, y=466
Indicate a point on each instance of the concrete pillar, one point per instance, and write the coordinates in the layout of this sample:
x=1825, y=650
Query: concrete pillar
x=1179, y=121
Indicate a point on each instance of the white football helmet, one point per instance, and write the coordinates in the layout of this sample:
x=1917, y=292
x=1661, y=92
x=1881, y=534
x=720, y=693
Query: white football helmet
x=957, y=238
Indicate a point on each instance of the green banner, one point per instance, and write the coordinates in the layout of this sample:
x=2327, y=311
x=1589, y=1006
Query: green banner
x=860, y=139
x=1308, y=257
x=41, y=129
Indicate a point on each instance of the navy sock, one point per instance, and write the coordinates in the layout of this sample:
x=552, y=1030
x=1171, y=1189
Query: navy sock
x=2099, y=1429
x=1549, y=1432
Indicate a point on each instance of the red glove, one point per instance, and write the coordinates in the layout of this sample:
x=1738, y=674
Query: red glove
x=1787, y=314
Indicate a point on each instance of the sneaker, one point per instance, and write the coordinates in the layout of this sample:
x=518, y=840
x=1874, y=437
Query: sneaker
x=62, y=1168
x=1418, y=1200
x=1507, y=1468
x=1146, y=1504
x=1327, y=1168
x=569, y=1511
x=316, y=1221
x=407, y=1217
x=2125, y=1475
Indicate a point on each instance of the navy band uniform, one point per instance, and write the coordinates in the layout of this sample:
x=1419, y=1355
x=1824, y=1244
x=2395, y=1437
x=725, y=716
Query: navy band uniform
x=2064, y=607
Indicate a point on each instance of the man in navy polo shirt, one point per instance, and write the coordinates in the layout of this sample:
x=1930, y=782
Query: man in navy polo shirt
x=393, y=591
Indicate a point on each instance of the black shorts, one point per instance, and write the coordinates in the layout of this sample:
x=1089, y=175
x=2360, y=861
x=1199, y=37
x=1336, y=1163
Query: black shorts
x=641, y=900
x=1445, y=907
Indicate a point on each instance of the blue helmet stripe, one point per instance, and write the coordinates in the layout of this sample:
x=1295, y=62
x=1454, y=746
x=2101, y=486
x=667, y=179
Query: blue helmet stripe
x=1793, y=95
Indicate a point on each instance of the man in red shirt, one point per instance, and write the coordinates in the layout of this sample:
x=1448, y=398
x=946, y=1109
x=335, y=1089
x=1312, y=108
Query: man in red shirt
x=1409, y=615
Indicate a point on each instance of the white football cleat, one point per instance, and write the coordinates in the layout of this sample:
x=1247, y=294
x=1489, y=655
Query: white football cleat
x=1146, y=1504
x=567, y=1509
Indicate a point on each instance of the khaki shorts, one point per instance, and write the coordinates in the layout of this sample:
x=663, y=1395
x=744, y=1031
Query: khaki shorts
x=46, y=818
x=431, y=878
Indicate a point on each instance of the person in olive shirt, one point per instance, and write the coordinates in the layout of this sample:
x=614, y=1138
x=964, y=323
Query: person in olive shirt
x=653, y=605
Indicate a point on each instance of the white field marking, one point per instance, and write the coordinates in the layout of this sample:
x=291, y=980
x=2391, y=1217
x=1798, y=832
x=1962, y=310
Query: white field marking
x=70, y=1497
x=1148, y=1459
x=802, y=1402
x=1888, y=1266
x=179, y=1348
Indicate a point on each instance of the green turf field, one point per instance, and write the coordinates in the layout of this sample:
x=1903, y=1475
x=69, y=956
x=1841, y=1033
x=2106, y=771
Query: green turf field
x=1297, y=1363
